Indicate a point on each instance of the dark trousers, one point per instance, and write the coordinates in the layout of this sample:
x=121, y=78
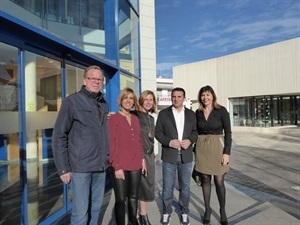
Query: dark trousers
x=127, y=190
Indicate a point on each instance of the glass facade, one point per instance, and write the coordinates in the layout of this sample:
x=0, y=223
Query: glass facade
x=131, y=82
x=42, y=59
x=9, y=130
x=128, y=39
x=266, y=111
x=78, y=22
x=43, y=96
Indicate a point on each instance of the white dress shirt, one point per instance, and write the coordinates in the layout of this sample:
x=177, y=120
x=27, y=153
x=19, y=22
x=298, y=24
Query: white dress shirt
x=179, y=120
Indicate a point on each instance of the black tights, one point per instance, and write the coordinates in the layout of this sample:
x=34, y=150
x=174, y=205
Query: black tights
x=127, y=189
x=221, y=193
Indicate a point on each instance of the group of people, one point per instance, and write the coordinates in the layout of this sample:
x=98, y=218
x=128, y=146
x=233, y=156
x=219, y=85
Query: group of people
x=88, y=139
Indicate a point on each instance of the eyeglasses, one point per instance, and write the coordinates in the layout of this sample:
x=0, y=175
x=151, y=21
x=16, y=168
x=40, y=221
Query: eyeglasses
x=94, y=79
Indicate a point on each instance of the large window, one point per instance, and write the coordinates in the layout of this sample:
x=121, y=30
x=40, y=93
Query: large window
x=83, y=13
x=78, y=22
x=74, y=79
x=266, y=111
x=9, y=132
x=128, y=39
x=43, y=88
x=131, y=82
x=43, y=95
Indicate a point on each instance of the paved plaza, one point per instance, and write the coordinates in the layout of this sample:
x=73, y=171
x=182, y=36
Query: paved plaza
x=262, y=185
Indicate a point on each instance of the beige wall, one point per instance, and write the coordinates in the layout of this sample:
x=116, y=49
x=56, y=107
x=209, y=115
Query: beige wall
x=148, y=45
x=268, y=70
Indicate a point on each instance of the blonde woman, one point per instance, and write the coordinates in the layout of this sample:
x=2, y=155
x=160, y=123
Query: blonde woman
x=147, y=105
x=126, y=157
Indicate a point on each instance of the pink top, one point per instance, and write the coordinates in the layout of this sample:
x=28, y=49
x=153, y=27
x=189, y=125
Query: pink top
x=126, y=148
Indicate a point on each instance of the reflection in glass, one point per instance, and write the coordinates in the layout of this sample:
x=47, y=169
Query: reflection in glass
x=10, y=192
x=131, y=82
x=134, y=4
x=43, y=93
x=267, y=111
x=78, y=22
x=43, y=83
x=74, y=79
x=128, y=39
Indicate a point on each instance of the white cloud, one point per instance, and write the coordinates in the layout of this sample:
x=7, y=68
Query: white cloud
x=239, y=34
x=176, y=47
x=166, y=66
x=215, y=28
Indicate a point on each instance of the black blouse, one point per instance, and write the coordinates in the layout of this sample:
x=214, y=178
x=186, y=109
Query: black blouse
x=217, y=122
x=147, y=131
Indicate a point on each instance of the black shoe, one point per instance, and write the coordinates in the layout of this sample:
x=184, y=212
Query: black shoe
x=205, y=222
x=206, y=217
x=137, y=222
x=223, y=217
x=144, y=220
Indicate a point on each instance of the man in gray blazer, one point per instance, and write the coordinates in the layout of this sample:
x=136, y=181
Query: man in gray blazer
x=176, y=131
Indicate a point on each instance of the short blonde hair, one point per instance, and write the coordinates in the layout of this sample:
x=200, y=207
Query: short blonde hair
x=142, y=98
x=124, y=93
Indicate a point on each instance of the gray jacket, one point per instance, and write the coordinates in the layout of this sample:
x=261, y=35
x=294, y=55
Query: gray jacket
x=80, y=139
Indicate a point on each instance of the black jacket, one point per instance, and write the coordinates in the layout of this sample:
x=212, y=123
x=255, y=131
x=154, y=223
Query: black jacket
x=80, y=139
x=165, y=131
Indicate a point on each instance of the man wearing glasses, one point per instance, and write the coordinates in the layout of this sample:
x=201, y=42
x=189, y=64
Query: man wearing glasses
x=80, y=146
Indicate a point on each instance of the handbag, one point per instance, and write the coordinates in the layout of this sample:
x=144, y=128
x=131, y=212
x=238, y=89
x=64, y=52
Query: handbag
x=196, y=177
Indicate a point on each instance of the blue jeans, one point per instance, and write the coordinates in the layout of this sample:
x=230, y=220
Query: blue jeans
x=87, y=193
x=184, y=178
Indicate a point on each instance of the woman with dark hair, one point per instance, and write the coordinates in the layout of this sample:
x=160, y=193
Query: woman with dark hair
x=126, y=157
x=212, y=149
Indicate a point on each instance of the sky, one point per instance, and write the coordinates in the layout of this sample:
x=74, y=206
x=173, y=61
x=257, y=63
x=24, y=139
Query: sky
x=195, y=30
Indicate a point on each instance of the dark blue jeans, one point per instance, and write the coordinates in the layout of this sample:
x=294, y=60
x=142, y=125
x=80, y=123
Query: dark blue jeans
x=184, y=171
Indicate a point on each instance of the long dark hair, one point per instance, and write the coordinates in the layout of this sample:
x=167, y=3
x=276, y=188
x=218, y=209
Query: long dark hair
x=208, y=88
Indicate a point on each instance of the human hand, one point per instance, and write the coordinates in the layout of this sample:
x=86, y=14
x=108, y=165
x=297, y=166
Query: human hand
x=225, y=159
x=185, y=143
x=120, y=174
x=144, y=168
x=66, y=178
x=109, y=114
x=175, y=144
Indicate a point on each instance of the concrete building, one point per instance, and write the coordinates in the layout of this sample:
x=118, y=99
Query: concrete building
x=259, y=87
x=44, y=47
x=164, y=87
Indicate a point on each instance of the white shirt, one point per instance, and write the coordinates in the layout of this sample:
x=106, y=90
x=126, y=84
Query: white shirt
x=179, y=120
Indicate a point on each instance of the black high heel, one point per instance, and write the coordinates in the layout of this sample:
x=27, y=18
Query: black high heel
x=206, y=222
x=223, y=217
x=206, y=217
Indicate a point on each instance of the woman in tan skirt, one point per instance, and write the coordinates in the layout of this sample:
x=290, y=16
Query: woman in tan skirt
x=212, y=149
